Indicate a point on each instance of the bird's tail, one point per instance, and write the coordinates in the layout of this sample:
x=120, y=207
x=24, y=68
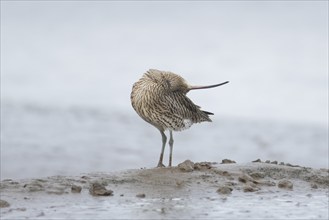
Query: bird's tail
x=208, y=113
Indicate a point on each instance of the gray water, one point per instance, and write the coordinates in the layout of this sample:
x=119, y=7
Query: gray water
x=40, y=141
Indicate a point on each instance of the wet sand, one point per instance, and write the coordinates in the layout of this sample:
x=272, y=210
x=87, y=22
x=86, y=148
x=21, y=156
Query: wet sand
x=204, y=190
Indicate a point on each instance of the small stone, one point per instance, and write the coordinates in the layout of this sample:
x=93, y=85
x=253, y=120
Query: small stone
x=33, y=187
x=267, y=161
x=186, y=166
x=241, y=179
x=202, y=165
x=221, y=172
x=76, y=189
x=257, y=161
x=4, y=204
x=141, y=195
x=291, y=165
x=226, y=161
x=245, y=178
x=285, y=184
x=274, y=162
x=266, y=183
x=281, y=163
x=314, y=186
x=56, y=190
x=324, y=170
x=230, y=184
x=179, y=183
x=41, y=214
x=309, y=195
x=250, y=189
x=96, y=189
x=257, y=175
x=224, y=190
x=14, y=183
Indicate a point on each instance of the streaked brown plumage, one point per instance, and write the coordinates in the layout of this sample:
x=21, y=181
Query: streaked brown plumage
x=159, y=97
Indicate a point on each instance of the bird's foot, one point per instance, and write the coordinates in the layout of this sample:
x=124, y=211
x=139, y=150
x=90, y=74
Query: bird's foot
x=161, y=165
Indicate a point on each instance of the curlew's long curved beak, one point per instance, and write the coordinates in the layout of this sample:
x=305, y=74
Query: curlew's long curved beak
x=207, y=87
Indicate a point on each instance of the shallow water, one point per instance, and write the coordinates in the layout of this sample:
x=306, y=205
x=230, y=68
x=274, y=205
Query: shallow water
x=280, y=206
x=41, y=141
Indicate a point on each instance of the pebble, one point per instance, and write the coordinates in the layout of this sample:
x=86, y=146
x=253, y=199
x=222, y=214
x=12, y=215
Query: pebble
x=274, y=162
x=33, y=187
x=226, y=161
x=314, y=186
x=10, y=181
x=76, y=189
x=186, y=166
x=257, y=175
x=257, y=161
x=56, y=190
x=250, y=189
x=96, y=189
x=285, y=184
x=291, y=165
x=224, y=190
x=179, y=183
x=202, y=165
x=267, y=161
x=266, y=183
x=245, y=178
x=4, y=204
x=225, y=173
x=141, y=195
x=41, y=214
x=230, y=184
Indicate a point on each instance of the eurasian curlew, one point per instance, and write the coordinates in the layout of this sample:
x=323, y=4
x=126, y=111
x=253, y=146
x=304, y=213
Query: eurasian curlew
x=159, y=97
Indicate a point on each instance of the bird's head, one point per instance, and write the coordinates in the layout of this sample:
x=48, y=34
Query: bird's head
x=173, y=82
x=178, y=83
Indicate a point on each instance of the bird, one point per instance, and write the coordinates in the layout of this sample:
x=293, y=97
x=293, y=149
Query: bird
x=159, y=97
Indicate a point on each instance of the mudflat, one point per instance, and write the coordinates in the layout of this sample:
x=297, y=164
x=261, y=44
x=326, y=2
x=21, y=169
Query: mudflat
x=203, y=190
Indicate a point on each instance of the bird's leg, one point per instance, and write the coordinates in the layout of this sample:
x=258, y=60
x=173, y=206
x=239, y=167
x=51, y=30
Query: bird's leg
x=164, y=140
x=171, y=144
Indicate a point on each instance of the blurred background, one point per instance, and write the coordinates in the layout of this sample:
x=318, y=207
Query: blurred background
x=67, y=69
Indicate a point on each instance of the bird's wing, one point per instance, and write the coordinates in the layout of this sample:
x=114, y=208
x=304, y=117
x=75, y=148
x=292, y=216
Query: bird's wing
x=179, y=104
x=208, y=113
